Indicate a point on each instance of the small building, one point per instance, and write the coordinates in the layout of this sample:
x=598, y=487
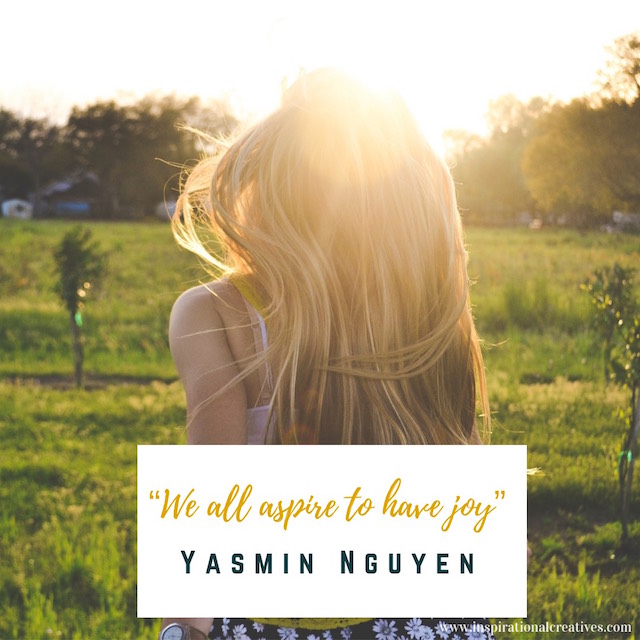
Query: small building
x=166, y=210
x=75, y=197
x=17, y=208
x=626, y=222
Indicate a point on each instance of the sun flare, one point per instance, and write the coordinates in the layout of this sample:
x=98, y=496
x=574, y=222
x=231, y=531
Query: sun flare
x=448, y=60
x=404, y=52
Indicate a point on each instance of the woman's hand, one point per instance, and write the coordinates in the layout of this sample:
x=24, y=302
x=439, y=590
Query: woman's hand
x=198, y=627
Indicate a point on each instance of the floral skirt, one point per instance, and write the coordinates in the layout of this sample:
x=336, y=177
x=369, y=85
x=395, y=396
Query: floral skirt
x=375, y=629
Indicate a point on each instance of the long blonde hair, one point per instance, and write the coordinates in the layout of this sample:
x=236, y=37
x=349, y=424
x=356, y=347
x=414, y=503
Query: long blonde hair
x=343, y=221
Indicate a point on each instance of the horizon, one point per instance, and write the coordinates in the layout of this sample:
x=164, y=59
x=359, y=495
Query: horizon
x=449, y=62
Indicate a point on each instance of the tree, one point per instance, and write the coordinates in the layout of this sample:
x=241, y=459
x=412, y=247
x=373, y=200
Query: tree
x=39, y=149
x=10, y=127
x=490, y=181
x=620, y=80
x=507, y=113
x=100, y=139
x=585, y=158
x=617, y=321
x=134, y=148
x=459, y=143
x=31, y=153
x=611, y=294
x=15, y=180
x=488, y=172
x=80, y=264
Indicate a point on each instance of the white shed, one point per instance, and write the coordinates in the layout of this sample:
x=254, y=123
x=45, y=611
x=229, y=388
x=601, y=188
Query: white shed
x=17, y=209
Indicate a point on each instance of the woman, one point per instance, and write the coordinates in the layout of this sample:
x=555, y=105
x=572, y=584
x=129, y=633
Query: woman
x=342, y=312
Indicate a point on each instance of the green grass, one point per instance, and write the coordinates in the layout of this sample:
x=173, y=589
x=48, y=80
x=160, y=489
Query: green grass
x=68, y=463
x=68, y=506
x=126, y=318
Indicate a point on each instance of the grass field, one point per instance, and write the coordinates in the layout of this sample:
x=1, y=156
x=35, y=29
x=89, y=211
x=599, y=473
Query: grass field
x=67, y=469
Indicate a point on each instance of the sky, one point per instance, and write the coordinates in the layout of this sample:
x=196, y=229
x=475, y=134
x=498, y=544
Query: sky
x=448, y=58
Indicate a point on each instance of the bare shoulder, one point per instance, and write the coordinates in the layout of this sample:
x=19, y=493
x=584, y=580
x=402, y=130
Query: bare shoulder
x=201, y=308
x=197, y=324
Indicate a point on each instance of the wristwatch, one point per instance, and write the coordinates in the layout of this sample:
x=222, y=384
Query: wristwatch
x=175, y=631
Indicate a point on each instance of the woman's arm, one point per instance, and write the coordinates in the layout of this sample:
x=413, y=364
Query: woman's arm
x=199, y=346
x=201, y=352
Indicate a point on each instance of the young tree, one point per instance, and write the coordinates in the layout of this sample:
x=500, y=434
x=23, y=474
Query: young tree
x=80, y=264
x=617, y=321
x=612, y=296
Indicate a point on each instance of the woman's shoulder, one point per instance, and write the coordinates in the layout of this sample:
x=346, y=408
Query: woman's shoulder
x=193, y=317
x=200, y=324
x=205, y=296
x=205, y=304
x=203, y=309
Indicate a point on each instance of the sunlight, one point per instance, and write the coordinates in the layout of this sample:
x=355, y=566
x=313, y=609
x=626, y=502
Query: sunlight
x=406, y=51
x=447, y=59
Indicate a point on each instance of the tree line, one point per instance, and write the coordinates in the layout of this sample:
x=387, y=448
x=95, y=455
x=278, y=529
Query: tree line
x=571, y=163
x=134, y=151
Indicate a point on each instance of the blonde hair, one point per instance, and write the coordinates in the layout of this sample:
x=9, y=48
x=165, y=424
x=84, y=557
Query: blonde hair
x=343, y=221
